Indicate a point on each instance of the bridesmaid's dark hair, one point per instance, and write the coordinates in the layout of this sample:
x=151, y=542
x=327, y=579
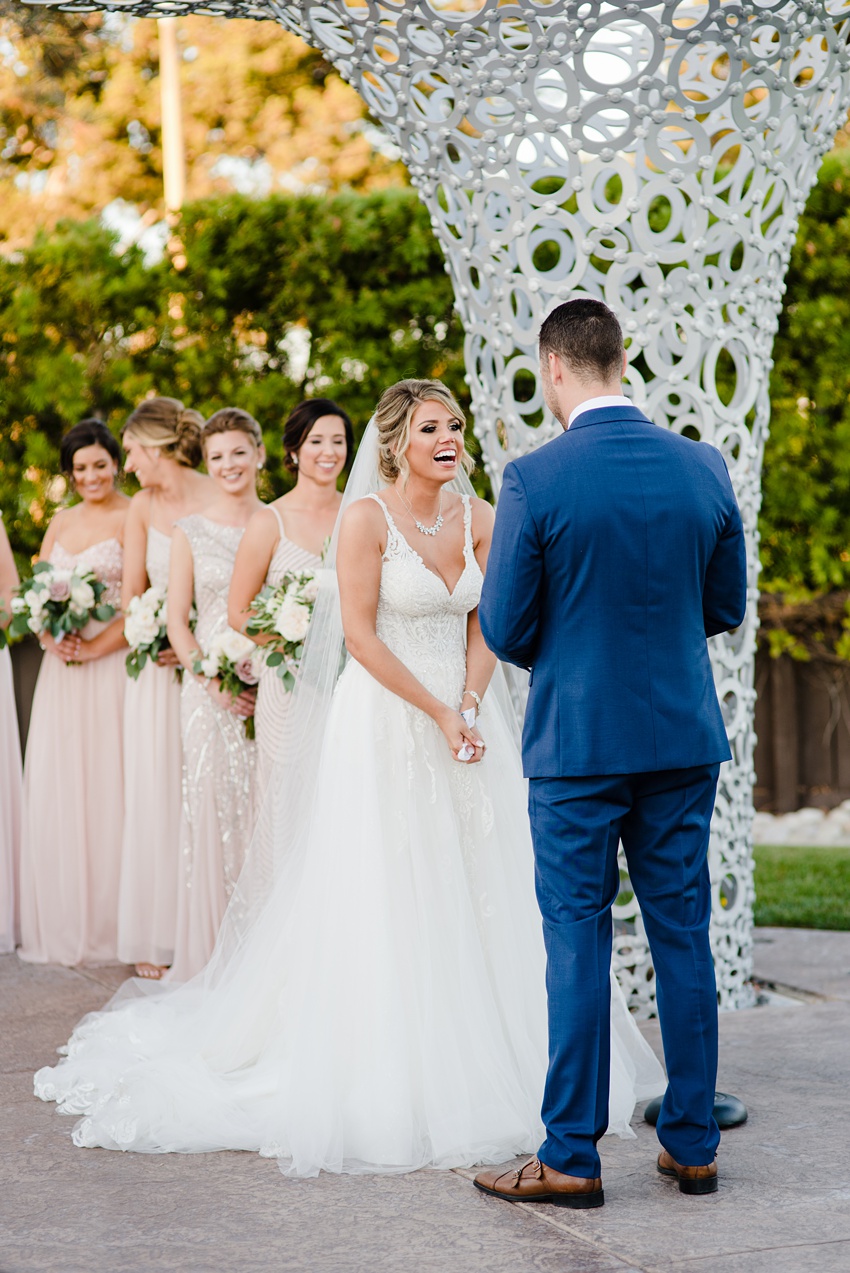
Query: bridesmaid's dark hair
x=301, y=421
x=89, y=432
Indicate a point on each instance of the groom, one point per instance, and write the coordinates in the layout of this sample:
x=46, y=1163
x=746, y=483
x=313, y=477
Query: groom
x=618, y=548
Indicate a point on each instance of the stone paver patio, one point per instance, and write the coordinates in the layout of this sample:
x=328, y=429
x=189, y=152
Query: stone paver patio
x=783, y=1205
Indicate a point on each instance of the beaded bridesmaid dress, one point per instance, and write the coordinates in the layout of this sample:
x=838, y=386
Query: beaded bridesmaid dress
x=73, y=805
x=153, y=773
x=10, y=808
x=219, y=767
x=272, y=699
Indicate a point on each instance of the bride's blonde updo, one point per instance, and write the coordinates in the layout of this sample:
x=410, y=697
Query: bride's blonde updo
x=167, y=424
x=393, y=415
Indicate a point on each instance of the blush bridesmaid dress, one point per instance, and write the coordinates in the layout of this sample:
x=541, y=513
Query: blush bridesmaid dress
x=10, y=808
x=73, y=804
x=153, y=773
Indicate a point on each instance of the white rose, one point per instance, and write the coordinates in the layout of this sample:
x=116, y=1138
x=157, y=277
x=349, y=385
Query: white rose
x=153, y=599
x=148, y=630
x=292, y=620
x=310, y=591
x=18, y=605
x=209, y=666
x=82, y=596
x=235, y=645
x=33, y=602
x=132, y=630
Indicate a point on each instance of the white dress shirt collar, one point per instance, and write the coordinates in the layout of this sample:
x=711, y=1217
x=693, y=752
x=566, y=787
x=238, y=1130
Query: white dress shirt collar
x=592, y=404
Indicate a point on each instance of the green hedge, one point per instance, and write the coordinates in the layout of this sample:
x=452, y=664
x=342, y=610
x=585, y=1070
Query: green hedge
x=85, y=330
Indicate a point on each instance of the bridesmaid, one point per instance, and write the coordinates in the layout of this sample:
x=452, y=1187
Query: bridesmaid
x=218, y=760
x=73, y=806
x=162, y=441
x=290, y=534
x=10, y=765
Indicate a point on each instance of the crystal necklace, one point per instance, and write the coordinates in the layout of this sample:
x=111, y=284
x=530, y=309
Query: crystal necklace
x=425, y=530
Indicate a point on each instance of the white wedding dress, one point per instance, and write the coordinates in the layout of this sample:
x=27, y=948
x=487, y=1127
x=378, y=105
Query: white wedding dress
x=385, y=1008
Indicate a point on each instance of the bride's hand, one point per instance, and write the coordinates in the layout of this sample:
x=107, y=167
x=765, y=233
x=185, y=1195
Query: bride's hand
x=458, y=735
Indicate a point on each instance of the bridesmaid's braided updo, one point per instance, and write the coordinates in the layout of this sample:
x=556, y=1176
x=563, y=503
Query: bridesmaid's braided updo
x=165, y=423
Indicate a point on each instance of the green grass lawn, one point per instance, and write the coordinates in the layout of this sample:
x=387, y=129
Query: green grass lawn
x=802, y=887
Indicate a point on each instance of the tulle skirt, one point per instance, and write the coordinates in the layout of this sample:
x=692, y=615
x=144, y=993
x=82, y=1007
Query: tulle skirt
x=387, y=1010
x=153, y=771
x=10, y=807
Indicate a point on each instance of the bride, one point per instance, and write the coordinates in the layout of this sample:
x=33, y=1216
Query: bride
x=376, y=1000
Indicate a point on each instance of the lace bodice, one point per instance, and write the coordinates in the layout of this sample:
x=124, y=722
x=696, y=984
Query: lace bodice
x=418, y=618
x=214, y=552
x=158, y=558
x=105, y=559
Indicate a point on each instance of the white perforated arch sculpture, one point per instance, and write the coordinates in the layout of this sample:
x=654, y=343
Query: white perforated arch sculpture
x=656, y=155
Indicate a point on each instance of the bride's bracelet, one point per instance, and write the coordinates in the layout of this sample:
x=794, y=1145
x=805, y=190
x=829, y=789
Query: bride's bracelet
x=476, y=699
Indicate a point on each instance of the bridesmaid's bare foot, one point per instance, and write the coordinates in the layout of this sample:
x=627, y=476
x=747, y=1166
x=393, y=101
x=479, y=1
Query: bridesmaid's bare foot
x=153, y=972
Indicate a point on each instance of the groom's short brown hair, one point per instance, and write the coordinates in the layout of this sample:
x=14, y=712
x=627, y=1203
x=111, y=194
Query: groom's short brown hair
x=585, y=334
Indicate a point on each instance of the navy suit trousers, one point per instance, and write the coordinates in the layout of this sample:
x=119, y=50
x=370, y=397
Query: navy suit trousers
x=663, y=821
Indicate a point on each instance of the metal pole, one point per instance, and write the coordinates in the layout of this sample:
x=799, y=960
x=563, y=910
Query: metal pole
x=173, y=149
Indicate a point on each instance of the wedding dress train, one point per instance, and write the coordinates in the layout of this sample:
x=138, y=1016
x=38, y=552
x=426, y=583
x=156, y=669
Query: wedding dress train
x=386, y=1009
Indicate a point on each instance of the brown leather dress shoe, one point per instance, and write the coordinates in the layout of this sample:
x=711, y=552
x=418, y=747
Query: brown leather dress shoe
x=535, y=1182
x=691, y=1179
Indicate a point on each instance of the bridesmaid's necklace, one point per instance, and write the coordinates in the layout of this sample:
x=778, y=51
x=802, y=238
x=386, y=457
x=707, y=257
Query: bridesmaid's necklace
x=425, y=530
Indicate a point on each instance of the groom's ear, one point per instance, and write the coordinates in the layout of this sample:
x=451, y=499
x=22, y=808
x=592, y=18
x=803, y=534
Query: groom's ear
x=556, y=368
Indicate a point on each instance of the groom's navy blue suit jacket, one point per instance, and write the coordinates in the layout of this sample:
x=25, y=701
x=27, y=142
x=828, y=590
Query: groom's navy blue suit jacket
x=618, y=548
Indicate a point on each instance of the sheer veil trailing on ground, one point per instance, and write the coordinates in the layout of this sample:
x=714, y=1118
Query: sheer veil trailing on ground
x=376, y=998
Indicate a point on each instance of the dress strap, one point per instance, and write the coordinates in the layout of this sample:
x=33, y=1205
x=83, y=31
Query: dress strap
x=395, y=539
x=468, y=544
x=278, y=519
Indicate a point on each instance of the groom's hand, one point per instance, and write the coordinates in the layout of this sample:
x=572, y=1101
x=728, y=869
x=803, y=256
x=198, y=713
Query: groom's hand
x=465, y=742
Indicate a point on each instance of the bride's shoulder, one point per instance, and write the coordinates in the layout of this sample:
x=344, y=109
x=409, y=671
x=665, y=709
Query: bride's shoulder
x=483, y=513
x=363, y=516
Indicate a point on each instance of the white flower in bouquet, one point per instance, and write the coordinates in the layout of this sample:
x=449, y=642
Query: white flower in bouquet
x=310, y=589
x=82, y=595
x=292, y=619
x=235, y=645
x=141, y=628
x=209, y=666
x=145, y=629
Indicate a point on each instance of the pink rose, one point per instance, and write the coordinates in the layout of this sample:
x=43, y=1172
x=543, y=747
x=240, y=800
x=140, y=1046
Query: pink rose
x=245, y=670
x=60, y=590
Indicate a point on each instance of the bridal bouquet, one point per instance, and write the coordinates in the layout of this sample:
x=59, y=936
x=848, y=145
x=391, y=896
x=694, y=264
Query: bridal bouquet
x=58, y=601
x=283, y=612
x=234, y=659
